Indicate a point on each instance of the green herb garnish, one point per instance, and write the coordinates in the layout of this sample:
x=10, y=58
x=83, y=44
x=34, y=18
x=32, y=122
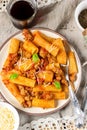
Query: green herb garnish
x=14, y=76
x=57, y=84
x=35, y=57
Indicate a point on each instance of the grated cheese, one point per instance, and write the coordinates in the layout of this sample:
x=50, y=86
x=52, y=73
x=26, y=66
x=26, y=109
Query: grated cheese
x=6, y=119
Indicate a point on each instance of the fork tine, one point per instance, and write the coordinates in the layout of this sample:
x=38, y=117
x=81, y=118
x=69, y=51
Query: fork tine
x=67, y=47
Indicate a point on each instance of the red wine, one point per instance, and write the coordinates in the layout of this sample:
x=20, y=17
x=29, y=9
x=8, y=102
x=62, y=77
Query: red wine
x=21, y=10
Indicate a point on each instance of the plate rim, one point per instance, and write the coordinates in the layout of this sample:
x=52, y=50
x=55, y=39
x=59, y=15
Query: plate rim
x=68, y=100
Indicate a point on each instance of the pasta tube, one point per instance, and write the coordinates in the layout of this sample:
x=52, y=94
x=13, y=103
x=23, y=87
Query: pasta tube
x=53, y=66
x=58, y=42
x=23, y=81
x=14, y=90
x=38, y=40
x=47, y=88
x=30, y=47
x=14, y=45
x=43, y=103
x=47, y=38
x=26, y=65
x=46, y=75
x=5, y=75
x=72, y=63
x=60, y=95
x=7, y=62
x=61, y=57
x=43, y=53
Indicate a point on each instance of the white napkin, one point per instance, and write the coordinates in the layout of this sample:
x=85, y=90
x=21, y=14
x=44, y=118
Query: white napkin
x=66, y=123
x=40, y=3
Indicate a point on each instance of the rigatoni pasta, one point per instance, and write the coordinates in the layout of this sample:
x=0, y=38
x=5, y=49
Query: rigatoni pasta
x=62, y=56
x=23, y=81
x=33, y=71
x=73, y=65
x=46, y=88
x=30, y=47
x=14, y=45
x=40, y=41
x=15, y=91
x=43, y=103
x=46, y=75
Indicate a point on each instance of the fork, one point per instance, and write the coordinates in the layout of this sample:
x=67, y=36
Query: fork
x=79, y=114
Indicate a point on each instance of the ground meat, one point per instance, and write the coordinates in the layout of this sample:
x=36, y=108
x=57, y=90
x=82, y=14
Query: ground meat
x=27, y=34
x=45, y=95
x=31, y=74
x=72, y=77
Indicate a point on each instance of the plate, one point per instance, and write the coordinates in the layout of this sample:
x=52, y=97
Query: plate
x=11, y=99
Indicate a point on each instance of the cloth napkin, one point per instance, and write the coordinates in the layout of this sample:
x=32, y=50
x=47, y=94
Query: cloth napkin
x=40, y=3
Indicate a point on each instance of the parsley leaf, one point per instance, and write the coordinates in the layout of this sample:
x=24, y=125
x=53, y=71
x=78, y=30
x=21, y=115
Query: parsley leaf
x=35, y=57
x=14, y=76
x=57, y=84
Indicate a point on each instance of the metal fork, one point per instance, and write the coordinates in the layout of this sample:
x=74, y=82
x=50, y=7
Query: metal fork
x=79, y=114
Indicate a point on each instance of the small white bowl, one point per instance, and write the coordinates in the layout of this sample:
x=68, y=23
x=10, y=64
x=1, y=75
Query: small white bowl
x=14, y=113
x=79, y=8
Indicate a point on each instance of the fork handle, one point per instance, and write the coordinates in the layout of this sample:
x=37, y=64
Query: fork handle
x=75, y=102
x=84, y=104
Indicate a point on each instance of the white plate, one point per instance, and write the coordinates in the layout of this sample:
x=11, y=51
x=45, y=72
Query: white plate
x=10, y=98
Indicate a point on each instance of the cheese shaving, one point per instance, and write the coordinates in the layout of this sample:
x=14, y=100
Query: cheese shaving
x=6, y=119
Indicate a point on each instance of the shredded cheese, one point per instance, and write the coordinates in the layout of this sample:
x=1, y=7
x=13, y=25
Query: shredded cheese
x=6, y=119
